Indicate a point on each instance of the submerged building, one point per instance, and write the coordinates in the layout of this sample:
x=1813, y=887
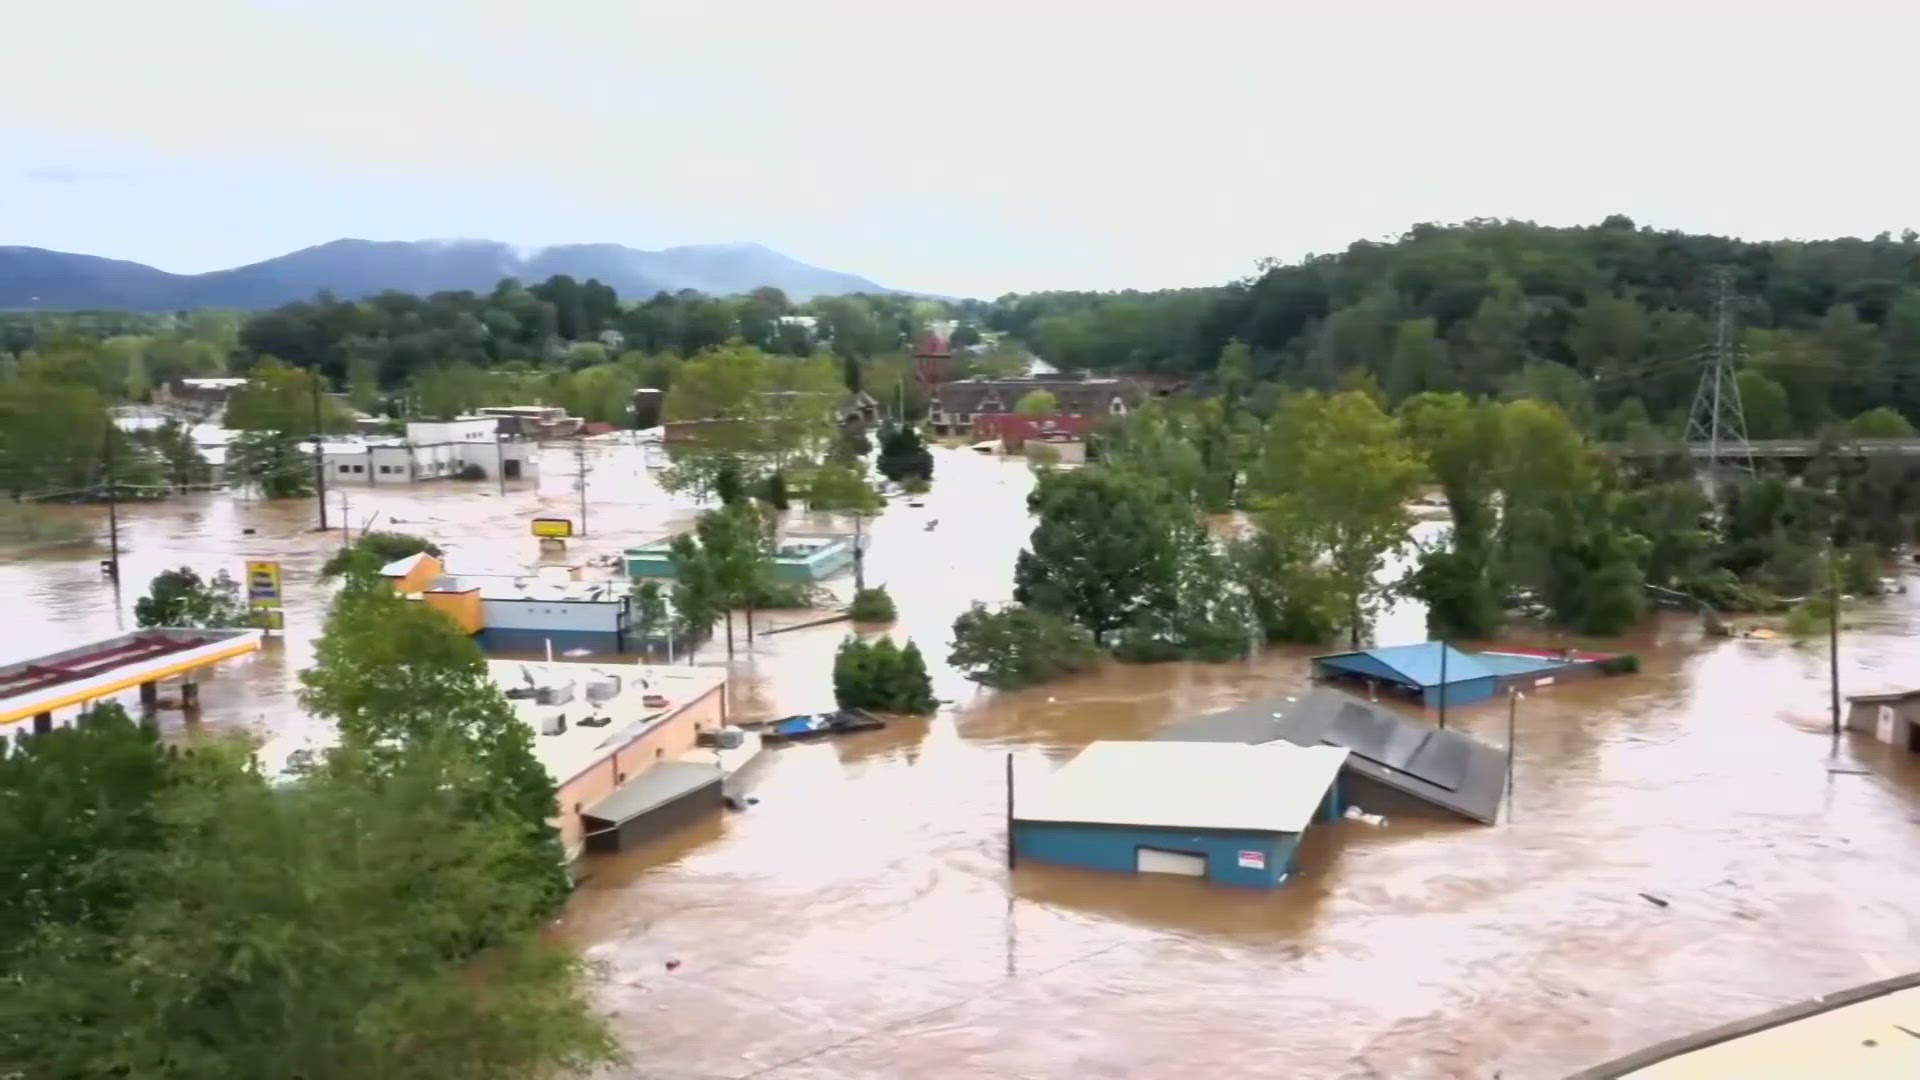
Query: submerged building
x=522, y=612
x=601, y=731
x=1396, y=764
x=1231, y=814
x=797, y=559
x=1437, y=673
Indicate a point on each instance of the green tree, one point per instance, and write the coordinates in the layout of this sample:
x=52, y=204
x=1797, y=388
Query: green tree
x=372, y=550
x=1017, y=646
x=843, y=488
x=872, y=606
x=323, y=930
x=401, y=681
x=53, y=439
x=648, y=604
x=283, y=399
x=912, y=692
x=1880, y=423
x=1464, y=447
x=182, y=464
x=1037, y=403
x=736, y=552
x=1765, y=405
x=1418, y=361
x=180, y=598
x=904, y=455
x=697, y=598
x=274, y=463
x=1101, y=553
x=1564, y=540
x=1335, y=481
x=80, y=800
x=881, y=676
x=761, y=413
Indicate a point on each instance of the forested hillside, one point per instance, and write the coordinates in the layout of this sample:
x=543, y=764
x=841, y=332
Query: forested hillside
x=1606, y=321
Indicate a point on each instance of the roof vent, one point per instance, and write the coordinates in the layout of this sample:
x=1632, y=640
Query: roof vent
x=603, y=689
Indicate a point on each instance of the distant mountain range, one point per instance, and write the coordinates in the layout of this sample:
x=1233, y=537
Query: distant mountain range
x=351, y=269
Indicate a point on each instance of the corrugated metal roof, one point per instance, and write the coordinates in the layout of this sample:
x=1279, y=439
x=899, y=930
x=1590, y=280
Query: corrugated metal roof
x=1198, y=785
x=1515, y=663
x=1418, y=665
x=658, y=786
x=1445, y=768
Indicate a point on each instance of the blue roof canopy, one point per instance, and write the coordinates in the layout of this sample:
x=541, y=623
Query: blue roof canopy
x=1409, y=665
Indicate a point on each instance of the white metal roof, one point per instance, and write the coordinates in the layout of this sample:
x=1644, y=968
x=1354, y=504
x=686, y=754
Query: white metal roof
x=404, y=566
x=1273, y=787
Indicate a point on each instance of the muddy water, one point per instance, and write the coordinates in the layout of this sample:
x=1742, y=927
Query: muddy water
x=860, y=921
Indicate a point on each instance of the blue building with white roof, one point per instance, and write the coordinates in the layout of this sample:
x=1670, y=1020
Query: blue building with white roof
x=1231, y=813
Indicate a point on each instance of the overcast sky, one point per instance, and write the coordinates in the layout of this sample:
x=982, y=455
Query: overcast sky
x=981, y=148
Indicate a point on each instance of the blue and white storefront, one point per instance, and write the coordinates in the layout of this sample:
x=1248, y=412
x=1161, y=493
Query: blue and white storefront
x=527, y=616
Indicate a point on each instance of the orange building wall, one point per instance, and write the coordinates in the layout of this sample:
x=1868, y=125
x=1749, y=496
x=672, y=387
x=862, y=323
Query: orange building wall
x=424, y=573
x=664, y=743
x=462, y=607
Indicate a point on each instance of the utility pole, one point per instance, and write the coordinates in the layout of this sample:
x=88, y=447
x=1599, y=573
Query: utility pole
x=1833, y=646
x=319, y=452
x=1718, y=417
x=1513, y=704
x=113, y=512
x=580, y=478
x=1443, y=684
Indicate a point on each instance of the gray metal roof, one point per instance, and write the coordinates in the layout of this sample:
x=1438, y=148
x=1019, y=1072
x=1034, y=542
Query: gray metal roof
x=653, y=789
x=1445, y=768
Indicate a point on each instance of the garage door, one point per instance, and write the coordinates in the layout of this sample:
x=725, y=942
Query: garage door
x=1156, y=861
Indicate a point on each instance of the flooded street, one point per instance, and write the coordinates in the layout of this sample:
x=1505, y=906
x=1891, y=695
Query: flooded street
x=861, y=921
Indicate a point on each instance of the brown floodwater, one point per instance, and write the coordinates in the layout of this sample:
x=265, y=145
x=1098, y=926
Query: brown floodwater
x=860, y=920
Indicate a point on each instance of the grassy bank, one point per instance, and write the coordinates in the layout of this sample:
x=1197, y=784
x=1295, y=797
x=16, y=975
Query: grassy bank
x=26, y=523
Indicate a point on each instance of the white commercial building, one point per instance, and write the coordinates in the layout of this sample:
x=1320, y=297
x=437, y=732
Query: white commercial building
x=432, y=449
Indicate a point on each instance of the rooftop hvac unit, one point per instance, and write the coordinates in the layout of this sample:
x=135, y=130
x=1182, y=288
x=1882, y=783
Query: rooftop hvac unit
x=554, y=693
x=553, y=724
x=603, y=688
x=726, y=738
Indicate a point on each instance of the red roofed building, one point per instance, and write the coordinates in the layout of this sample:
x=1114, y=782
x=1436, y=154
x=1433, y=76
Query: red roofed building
x=957, y=408
x=1013, y=429
x=932, y=358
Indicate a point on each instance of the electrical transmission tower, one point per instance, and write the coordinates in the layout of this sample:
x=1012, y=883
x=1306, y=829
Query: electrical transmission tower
x=1718, y=418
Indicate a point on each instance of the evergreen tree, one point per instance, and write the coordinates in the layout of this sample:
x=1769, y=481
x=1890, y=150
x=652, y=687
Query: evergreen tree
x=904, y=455
x=913, y=687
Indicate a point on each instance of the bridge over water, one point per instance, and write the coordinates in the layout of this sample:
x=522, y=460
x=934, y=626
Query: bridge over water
x=1783, y=449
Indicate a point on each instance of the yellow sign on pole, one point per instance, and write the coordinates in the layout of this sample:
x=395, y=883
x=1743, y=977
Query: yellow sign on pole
x=263, y=584
x=553, y=528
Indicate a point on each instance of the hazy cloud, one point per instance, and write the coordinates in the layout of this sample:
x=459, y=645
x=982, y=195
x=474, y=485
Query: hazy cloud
x=1022, y=146
x=51, y=176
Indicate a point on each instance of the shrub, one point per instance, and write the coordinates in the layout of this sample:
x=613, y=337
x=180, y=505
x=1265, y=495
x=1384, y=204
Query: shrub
x=1624, y=664
x=872, y=605
x=882, y=676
